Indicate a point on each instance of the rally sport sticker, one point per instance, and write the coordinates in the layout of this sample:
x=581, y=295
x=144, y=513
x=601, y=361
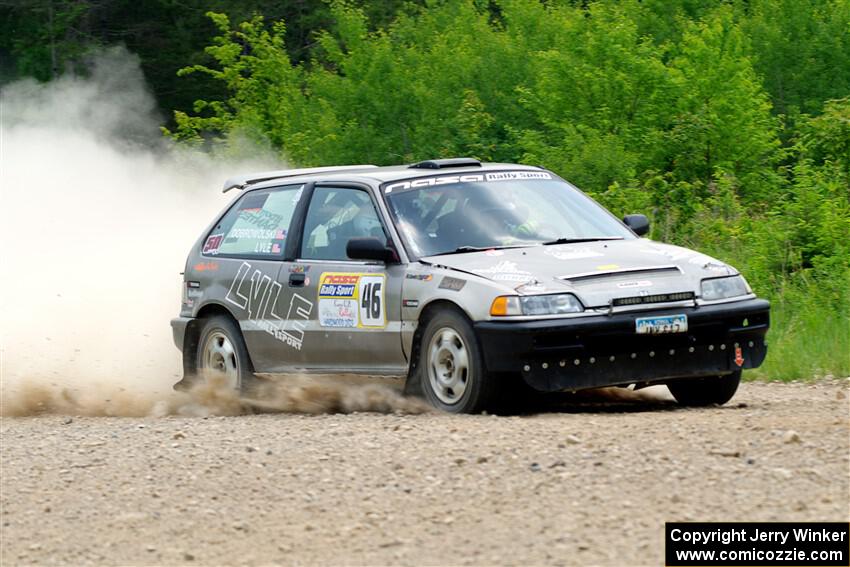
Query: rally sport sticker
x=352, y=300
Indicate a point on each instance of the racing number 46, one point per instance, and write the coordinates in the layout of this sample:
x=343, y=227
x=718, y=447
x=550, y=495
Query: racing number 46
x=371, y=301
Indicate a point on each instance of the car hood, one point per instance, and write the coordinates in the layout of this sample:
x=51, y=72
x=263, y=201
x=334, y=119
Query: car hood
x=596, y=272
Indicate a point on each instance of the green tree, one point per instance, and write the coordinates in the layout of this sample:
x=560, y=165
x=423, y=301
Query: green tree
x=722, y=117
x=802, y=50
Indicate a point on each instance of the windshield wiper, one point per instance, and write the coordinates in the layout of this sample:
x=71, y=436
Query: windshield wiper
x=466, y=249
x=576, y=240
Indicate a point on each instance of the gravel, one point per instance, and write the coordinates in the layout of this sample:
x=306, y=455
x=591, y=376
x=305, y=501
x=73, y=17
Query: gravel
x=590, y=483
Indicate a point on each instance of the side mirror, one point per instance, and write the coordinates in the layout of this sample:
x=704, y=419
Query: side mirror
x=369, y=248
x=638, y=223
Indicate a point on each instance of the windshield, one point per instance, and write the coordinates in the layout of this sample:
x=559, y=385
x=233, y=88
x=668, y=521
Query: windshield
x=452, y=213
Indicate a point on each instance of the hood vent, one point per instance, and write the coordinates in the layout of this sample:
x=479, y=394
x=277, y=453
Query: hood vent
x=657, y=298
x=645, y=271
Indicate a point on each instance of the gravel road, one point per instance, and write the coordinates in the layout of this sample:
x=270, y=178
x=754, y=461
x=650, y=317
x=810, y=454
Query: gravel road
x=591, y=483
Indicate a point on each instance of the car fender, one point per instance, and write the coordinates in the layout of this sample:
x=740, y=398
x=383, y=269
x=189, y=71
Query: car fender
x=426, y=285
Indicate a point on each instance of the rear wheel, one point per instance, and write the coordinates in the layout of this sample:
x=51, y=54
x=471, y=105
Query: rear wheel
x=222, y=352
x=705, y=391
x=451, y=371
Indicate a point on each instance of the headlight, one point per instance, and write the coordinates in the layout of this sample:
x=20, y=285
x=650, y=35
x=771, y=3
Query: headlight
x=535, y=305
x=722, y=288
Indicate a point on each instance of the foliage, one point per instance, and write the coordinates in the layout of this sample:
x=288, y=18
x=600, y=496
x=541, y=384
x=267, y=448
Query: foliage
x=645, y=112
x=727, y=121
x=45, y=38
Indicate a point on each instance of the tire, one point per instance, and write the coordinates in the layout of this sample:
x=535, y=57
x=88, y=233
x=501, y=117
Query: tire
x=450, y=370
x=705, y=391
x=221, y=349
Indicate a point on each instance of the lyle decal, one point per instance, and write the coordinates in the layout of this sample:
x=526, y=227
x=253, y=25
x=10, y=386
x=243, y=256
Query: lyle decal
x=257, y=294
x=352, y=300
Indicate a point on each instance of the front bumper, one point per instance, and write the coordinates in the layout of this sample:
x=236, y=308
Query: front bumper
x=591, y=352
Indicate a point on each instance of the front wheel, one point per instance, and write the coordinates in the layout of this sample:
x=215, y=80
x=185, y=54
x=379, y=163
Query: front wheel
x=222, y=352
x=451, y=371
x=705, y=391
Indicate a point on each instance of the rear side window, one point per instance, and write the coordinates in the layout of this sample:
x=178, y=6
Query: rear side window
x=256, y=226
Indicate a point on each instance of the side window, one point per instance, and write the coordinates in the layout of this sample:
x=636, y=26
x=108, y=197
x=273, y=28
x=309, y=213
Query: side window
x=336, y=215
x=256, y=226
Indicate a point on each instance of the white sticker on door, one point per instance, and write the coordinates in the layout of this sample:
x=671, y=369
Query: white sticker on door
x=352, y=300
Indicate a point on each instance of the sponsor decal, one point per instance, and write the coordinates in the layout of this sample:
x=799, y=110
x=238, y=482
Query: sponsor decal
x=338, y=312
x=298, y=269
x=280, y=234
x=674, y=254
x=629, y=285
x=259, y=297
x=699, y=259
x=739, y=356
x=213, y=243
x=275, y=248
x=507, y=271
x=420, y=277
x=608, y=267
x=572, y=253
x=205, y=267
x=716, y=267
x=352, y=300
x=454, y=284
x=331, y=278
x=494, y=252
x=410, y=303
x=514, y=175
x=328, y=287
x=469, y=178
x=253, y=233
x=695, y=258
x=516, y=278
x=709, y=263
x=261, y=218
x=264, y=248
x=531, y=287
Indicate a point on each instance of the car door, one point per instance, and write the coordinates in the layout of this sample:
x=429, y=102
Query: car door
x=248, y=245
x=354, y=306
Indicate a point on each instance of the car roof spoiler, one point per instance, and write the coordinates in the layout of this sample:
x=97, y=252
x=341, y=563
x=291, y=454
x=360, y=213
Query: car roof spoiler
x=243, y=181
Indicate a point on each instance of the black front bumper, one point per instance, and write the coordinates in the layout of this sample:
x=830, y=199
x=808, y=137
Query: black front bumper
x=589, y=352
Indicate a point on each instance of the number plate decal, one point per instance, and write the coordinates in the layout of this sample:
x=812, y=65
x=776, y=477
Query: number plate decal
x=352, y=300
x=661, y=325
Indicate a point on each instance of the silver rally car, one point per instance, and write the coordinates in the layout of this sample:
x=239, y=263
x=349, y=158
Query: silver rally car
x=467, y=279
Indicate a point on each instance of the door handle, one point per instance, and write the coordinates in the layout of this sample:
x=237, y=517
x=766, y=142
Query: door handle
x=297, y=279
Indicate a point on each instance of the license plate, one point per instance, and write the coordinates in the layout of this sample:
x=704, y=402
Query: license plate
x=660, y=325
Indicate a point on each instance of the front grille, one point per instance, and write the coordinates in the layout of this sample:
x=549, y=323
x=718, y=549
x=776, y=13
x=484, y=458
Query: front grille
x=657, y=298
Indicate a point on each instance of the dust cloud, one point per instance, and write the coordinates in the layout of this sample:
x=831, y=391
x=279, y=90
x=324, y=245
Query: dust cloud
x=97, y=215
x=209, y=396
